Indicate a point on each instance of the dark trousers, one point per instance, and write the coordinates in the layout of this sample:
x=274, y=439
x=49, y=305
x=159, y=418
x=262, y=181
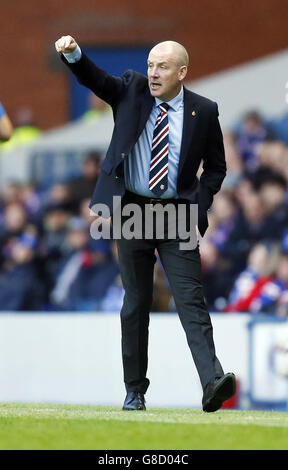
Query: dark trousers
x=183, y=270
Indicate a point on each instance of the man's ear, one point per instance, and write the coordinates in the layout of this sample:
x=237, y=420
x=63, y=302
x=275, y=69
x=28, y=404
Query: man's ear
x=182, y=72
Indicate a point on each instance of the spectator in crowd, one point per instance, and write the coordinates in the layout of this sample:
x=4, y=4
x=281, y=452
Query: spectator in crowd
x=6, y=127
x=52, y=247
x=96, y=108
x=273, y=155
x=31, y=200
x=24, y=194
x=83, y=186
x=261, y=265
x=272, y=192
x=216, y=274
x=235, y=165
x=247, y=230
x=252, y=132
x=84, y=275
x=58, y=194
x=20, y=289
x=11, y=194
x=279, y=126
x=222, y=217
x=273, y=296
x=14, y=222
x=25, y=129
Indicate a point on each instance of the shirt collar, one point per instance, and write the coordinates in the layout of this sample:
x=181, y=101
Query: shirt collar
x=175, y=103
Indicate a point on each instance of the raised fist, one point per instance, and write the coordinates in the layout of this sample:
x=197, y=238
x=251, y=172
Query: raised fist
x=65, y=44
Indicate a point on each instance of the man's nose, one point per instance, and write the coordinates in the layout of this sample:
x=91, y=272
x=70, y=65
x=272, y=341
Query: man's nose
x=154, y=72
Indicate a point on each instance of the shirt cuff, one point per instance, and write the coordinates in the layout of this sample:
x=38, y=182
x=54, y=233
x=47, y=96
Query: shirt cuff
x=74, y=56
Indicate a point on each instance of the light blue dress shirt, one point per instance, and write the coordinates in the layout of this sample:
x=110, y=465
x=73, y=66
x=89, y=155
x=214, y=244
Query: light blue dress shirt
x=137, y=163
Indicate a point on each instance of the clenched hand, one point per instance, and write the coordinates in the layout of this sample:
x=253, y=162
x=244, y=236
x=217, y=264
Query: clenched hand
x=65, y=44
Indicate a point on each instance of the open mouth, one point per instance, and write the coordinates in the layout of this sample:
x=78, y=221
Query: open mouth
x=154, y=86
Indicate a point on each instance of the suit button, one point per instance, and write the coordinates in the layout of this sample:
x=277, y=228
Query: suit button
x=116, y=177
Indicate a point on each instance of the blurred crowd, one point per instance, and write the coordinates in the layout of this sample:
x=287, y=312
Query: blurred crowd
x=245, y=251
x=50, y=262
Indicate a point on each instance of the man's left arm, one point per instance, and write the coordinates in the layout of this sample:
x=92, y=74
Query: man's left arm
x=214, y=164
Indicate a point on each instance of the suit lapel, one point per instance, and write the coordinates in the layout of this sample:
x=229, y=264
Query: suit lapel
x=189, y=122
x=145, y=110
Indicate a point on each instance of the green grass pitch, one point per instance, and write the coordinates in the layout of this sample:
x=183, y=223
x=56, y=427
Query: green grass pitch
x=51, y=426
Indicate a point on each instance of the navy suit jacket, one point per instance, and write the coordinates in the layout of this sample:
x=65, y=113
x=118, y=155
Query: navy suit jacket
x=131, y=102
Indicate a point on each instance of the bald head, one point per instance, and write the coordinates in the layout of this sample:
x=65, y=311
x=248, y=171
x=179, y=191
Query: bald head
x=174, y=49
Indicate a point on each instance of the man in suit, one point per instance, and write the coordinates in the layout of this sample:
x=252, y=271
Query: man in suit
x=162, y=133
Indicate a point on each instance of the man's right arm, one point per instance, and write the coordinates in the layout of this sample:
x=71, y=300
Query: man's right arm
x=104, y=85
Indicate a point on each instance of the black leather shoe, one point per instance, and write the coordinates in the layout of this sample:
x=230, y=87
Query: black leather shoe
x=134, y=401
x=218, y=392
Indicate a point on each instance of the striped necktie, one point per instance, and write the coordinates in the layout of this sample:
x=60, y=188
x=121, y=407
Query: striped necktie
x=158, y=176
